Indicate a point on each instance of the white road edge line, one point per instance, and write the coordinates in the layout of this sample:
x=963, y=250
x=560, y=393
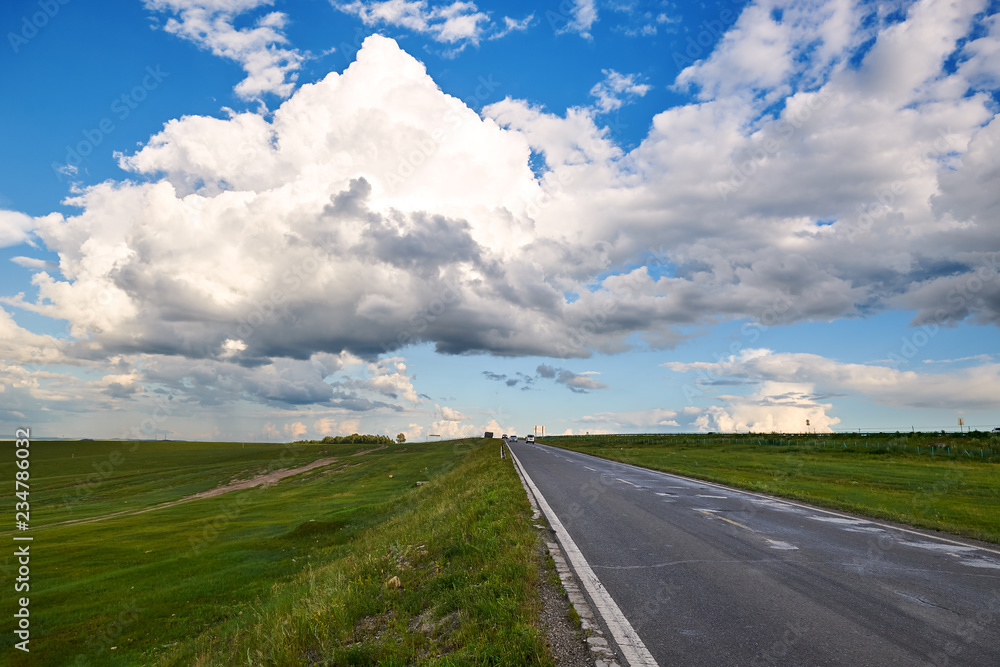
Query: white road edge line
x=628, y=641
x=785, y=501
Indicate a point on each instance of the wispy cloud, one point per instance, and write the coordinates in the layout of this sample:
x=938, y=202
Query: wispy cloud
x=616, y=90
x=580, y=383
x=578, y=18
x=261, y=50
x=632, y=420
x=457, y=23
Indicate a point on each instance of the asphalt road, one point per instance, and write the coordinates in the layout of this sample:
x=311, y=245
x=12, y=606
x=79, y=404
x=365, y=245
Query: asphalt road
x=709, y=575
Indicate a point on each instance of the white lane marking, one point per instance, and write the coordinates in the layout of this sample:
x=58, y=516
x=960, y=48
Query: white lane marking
x=789, y=503
x=703, y=495
x=775, y=506
x=937, y=547
x=863, y=529
x=850, y=525
x=589, y=468
x=624, y=480
x=981, y=562
x=784, y=546
x=842, y=521
x=628, y=640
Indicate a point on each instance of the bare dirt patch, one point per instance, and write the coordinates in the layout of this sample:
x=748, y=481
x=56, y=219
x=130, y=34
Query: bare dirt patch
x=369, y=451
x=262, y=480
x=265, y=480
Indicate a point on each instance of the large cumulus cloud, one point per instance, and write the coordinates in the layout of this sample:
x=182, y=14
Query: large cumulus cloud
x=845, y=167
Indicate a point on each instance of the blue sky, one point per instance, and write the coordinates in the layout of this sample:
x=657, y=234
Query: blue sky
x=234, y=219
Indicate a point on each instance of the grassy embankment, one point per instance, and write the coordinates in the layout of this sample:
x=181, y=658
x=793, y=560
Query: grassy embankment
x=951, y=483
x=294, y=573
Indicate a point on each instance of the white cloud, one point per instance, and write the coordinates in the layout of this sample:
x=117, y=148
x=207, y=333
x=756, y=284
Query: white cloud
x=270, y=66
x=22, y=346
x=396, y=240
x=633, y=420
x=616, y=90
x=730, y=199
x=373, y=211
x=756, y=54
x=350, y=426
x=448, y=429
x=573, y=140
x=762, y=54
x=231, y=348
x=982, y=68
x=649, y=25
x=513, y=25
x=449, y=23
x=800, y=376
x=494, y=427
x=413, y=432
x=15, y=228
x=120, y=385
x=776, y=407
x=295, y=430
x=579, y=383
x=579, y=18
x=457, y=22
x=326, y=426
x=451, y=415
x=35, y=263
x=388, y=377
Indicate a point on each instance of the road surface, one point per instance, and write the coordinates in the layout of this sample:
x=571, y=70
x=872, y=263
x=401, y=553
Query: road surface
x=708, y=575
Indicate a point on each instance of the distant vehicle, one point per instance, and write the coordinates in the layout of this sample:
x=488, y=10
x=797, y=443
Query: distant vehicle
x=488, y=434
x=504, y=436
x=996, y=430
x=513, y=438
x=530, y=438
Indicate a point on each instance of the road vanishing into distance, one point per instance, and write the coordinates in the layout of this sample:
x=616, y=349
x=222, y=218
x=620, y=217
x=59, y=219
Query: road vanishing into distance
x=708, y=575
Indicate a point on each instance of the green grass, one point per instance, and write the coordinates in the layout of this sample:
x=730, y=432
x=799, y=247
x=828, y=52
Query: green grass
x=79, y=479
x=289, y=574
x=880, y=476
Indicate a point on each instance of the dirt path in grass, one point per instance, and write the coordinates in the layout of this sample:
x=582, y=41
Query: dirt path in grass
x=369, y=451
x=264, y=480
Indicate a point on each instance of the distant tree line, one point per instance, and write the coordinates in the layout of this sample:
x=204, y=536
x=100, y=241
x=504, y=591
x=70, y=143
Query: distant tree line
x=355, y=439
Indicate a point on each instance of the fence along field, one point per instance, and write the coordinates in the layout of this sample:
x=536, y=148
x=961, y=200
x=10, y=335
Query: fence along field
x=947, y=482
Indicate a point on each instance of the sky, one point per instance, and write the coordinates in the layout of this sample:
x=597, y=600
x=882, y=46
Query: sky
x=253, y=220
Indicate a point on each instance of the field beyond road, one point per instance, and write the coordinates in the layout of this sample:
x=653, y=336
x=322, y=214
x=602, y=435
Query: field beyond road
x=419, y=553
x=942, y=482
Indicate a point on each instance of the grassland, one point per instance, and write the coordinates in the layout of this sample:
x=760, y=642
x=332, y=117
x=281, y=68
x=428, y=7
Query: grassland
x=299, y=572
x=943, y=482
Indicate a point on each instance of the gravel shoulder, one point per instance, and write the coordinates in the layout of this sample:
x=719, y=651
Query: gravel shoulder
x=564, y=637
